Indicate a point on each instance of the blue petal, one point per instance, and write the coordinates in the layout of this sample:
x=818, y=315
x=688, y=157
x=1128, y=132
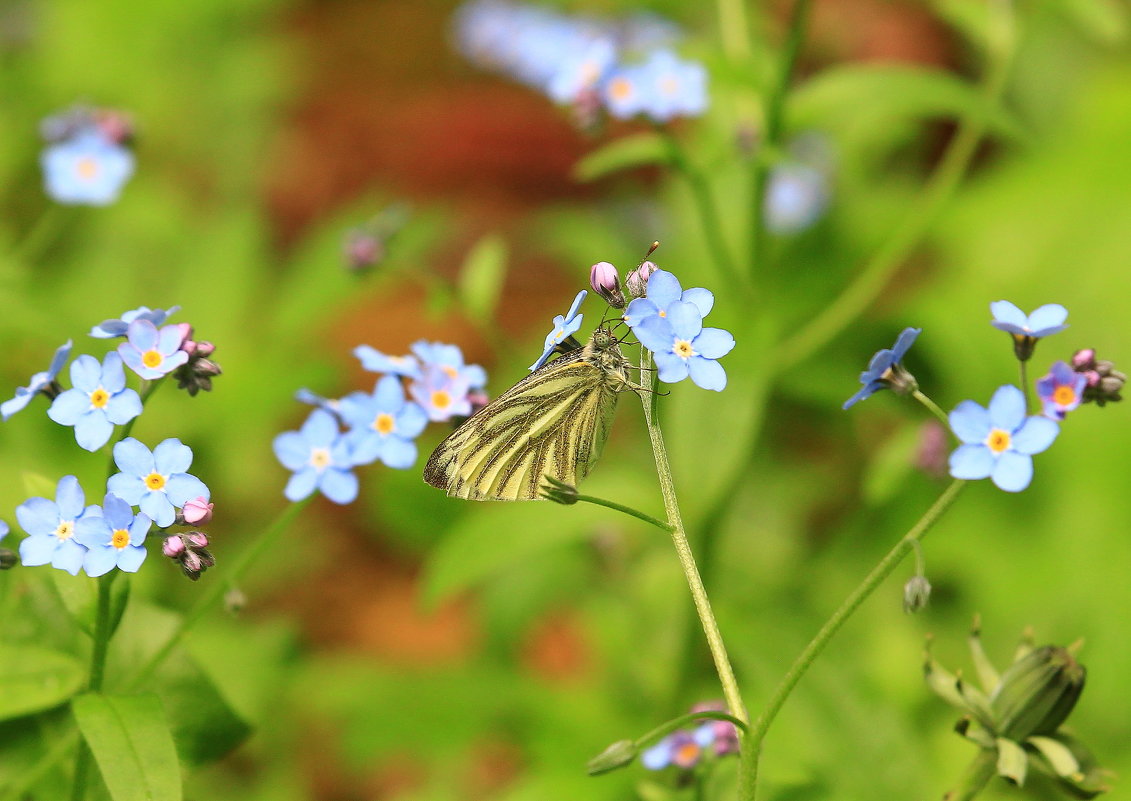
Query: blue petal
x=301, y=484
x=906, y=339
x=1048, y=319
x=970, y=422
x=183, y=487
x=398, y=453
x=139, y=528
x=714, y=343
x=365, y=447
x=132, y=357
x=1007, y=408
x=655, y=333
x=1035, y=435
x=971, y=461
x=86, y=373
x=133, y=458
x=36, y=550
x=1008, y=317
x=685, y=319
x=663, y=288
x=672, y=368
x=704, y=735
x=123, y=407
x=130, y=559
x=69, y=498
x=69, y=406
x=169, y=341
x=864, y=392
x=129, y=488
x=320, y=428
x=340, y=486
x=703, y=299
x=59, y=359
x=573, y=307
x=542, y=359
x=117, y=512
x=100, y=561
x=93, y=430
x=113, y=376
x=38, y=516
x=291, y=449
x=172, y=456
x=93, y=532
x=69, y=556
x=411, y=421
x=638, y=311
x=143, y=335
x=388, y=394
x=707, y=373
x=658, y=756
x=1013, y=471
x=158, y=508
x=19, y=402
x=476, y=376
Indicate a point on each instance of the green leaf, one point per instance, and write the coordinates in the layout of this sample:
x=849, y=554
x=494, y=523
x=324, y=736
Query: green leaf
x=80, y=595
x=132, y=744
x=638, y=150
x=203, y=723
x=36, y=678
x=1104, y=20
x=854, y=98
x=481, y=276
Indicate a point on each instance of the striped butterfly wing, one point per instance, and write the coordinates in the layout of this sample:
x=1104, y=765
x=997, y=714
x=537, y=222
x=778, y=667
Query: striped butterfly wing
x=555, y=421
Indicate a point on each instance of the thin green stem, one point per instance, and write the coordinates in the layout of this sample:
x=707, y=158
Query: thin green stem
x=628, y=510
x=668, y=726
x=147, y=390
x=97, y=674
x=752, y=747
x=40, y=235
x=1023, y=367
x=932, y=407
x=218, y=589
x=774, y=125
x=734, y=29
x=683, y=552
x=707, y=210
x=877, y=272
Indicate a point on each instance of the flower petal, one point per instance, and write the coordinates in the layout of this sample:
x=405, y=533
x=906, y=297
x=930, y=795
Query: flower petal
x=183, y=487
x=573, y=307
x=658, y=756
x=639, y=310
x=93, y=532
x=971, y=461
x=685, y=319
x=130, y=559
x=1035, y=435
x=707, y=373
x=663, y=288
x=113, y=375
x=1007, y=408
x=86, y=373
x=100, y=561
x=36, y=550
x=123, y=407
x=169, y=340
x=1008, y=317
x=158, y=508
x=906, y=339
x=172, y=456
x=399, y=453
x=69, y=498
x=703, y=299
x=1013, y=471
x=142, y=334
x=388, y=394
x=1048, y=319
x=340, y=486
x=714, y=343
x=411, y=420
x=655, y=333
x=139, y=528
x=301, y=484
x=38, y=516
x=291, y=449
x=129, y=488
x=672, y=368
x=133, y=458
x=69, y=406
x=970, y=422
x=320, y=428
x=69, y=556
x=93, y=430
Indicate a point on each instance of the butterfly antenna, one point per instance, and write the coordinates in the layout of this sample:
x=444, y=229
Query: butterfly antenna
x=651, y=250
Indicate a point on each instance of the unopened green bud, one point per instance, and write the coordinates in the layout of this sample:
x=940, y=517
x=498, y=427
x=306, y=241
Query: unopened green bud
x=8, y=559
x=1037, y=693
x=616, y=756
x=916, y=593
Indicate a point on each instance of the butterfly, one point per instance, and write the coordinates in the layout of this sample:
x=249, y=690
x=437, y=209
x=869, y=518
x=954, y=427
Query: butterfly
x=555, y=421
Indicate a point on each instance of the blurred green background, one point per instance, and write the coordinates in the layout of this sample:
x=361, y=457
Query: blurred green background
x=415, y=647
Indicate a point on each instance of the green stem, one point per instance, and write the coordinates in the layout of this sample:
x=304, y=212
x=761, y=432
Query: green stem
x=668, y=726
x=97, y=675
x=978, y=775
x=774, y=125
x=218, y=589
x=752, y=747
x=1023, y=366
x=40, y=235
x=876, y=274
x=734, y=29
x=628, y=510
x=683, y=552
x=707, y=210
x=147, y=390
x=932, y=407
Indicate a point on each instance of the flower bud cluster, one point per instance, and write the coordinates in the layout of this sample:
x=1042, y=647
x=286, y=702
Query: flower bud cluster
x=1104, y=383
x=197, y=373
x=189, y=550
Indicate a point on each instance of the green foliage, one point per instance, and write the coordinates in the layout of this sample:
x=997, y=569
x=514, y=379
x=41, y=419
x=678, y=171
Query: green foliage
x=35, y=679
x=132, y=745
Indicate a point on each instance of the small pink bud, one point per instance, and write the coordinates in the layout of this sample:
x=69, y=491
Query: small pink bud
x=195, y=539
x=197, y=511
x=605, y=281
x=173, y=547
x=1084, y=359
x=478, y=399
x=637, y=280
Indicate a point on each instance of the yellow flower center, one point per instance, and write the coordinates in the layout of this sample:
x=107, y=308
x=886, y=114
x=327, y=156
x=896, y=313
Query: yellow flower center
x=662, y=313
x=686, y=754
x=152, y=359
x=998, y=440
x=450, y=371
x=620, y=88
x=155, y=482
x=1064, y=396
x=320, y=458
x=87, y=168
x=441, y=399
x=669, y=86
x=99, y=398
x=384, y=423
x=120, y=538
x=65, y=530
x=683, y=349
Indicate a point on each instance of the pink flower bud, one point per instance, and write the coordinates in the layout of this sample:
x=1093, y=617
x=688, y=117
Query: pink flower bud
x=605, y=281
x=197, y=511
x=186, y=333
x=1084, y=359
x=637, y=281
x=195, y=539
x=173, y=547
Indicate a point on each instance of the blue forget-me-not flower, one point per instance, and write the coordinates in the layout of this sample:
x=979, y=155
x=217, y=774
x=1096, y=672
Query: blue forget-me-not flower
x=681, y=748
x=681, y=346
x=108, y=329
x=449, y=359
x=1061, y=391
x=663, y=289
x=999, y=442
x=1027, y=329
x=97, y=401
x=885, y=371
x=51, y=527
x=38, y=383
x=320, y=458
x=114, y=537
x=88, y=169
x=151, y=352
x=157, y=481
x=563, y=330
x=408, y=366
x=383, y=424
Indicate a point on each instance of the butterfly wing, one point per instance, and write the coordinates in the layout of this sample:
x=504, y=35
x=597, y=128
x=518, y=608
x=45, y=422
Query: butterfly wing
x=555, y=421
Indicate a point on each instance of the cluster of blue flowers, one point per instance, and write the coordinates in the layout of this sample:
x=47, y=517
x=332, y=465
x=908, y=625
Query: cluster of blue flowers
x=66, y=533
x=684, y=748
x=381, y=425
x=624, y=67
x=999, y=441
x=88, y=159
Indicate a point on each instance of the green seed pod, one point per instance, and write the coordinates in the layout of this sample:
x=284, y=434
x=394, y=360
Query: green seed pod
x=1037, y=693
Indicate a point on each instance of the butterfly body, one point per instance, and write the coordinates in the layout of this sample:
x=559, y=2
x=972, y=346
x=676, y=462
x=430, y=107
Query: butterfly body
x=555, y=421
